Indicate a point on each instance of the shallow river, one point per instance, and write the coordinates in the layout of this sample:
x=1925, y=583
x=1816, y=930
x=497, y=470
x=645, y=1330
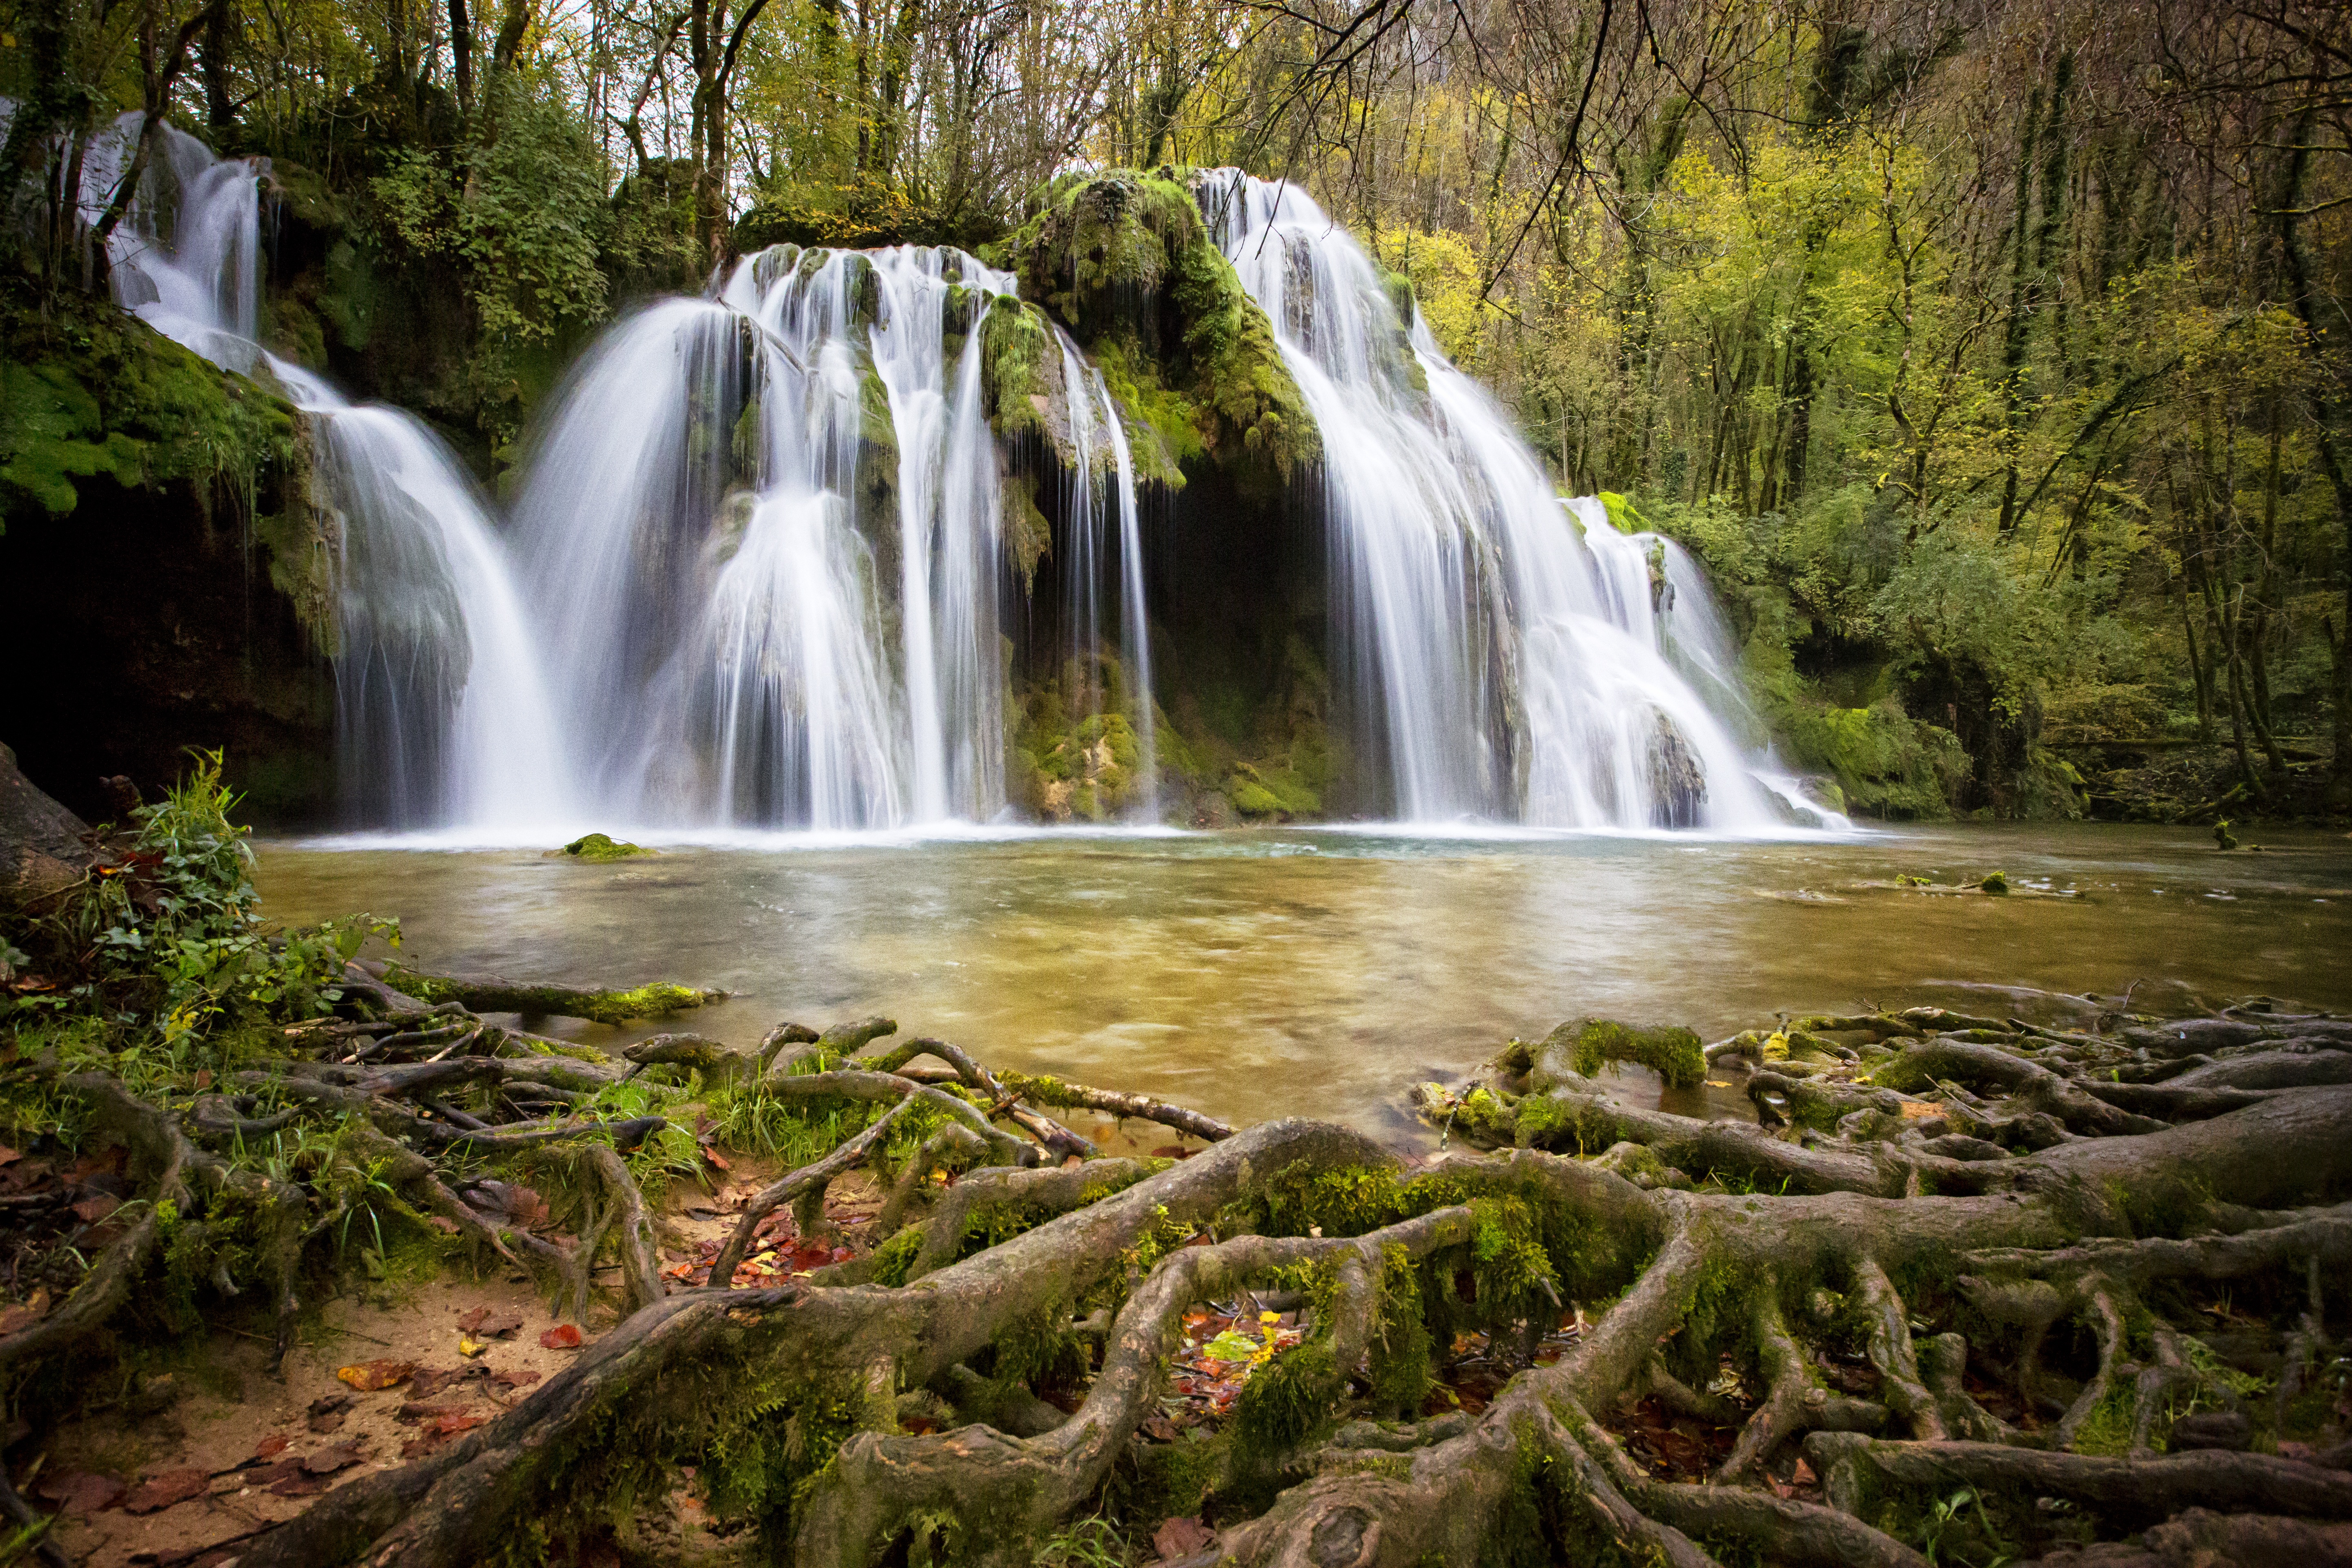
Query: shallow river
x=1322, y=972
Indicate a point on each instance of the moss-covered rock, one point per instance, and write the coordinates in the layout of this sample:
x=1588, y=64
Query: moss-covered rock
x=599, y=846
x=1124, y=260
x=1886, y=763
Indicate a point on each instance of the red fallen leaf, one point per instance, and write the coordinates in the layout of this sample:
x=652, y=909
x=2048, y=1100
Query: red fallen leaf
x=716, y=1158
x=327, y=1461
x=298, y=1486
x=270, y=1475
x=162, y=1490
x=8, y=1156
x=426, y=1385
x=25, y=1314
x=515, y=1379
x=96, y=1207
x=1171, y=1151
x=203, y=1078
x=269, y=1448
x=562, y=1337
x=1183, y=1538
x=1804, y=1474
x=417, y=1410
x=451, y=1425
x=80, y=1491
x=368, y=1376
x=1159, y=1429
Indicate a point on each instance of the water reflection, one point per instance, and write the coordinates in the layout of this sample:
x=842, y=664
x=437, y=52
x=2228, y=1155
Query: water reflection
x=1322, y=972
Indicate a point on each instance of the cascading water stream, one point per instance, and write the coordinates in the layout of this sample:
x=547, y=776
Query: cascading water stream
x=1095, y=511
x=1503, y=662
x=441, y=715
x=771, y=517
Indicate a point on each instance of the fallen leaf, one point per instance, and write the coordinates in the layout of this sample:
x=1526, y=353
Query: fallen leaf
x=161, y=1490
x=270, y=1475
x=80, y=1491
x=425, y=1384
x=456, y=1421
x=327, y=1461
x=332, y=1421
x=1183, y=1538
x=298, y=1486
x=562, y=1337
x=8, y=1156
x=25, y=1313
x=515, y=1379
x=1171, y=1151
x=1159, y=1429
x=417, y=1410
x=368, y=1376
x=716, y=1158
x=328, y=1403
x=1804, y=1474
x=96, y=1207
x=497, y=1325
x=269, y=1448
x=203, y=1078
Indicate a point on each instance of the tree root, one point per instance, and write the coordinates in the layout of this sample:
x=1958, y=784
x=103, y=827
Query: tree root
x=1729, y=1257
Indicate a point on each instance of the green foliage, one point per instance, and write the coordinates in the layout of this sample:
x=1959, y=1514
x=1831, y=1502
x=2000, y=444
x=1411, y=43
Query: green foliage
x=178, y=943
x=519, y=209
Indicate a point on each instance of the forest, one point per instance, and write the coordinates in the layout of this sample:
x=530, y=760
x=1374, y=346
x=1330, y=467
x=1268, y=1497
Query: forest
x=1686, y=425
x=1992, y=358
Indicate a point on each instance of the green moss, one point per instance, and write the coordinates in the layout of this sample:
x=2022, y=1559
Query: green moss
x=1886, y=763
x=603, y=847
x=1126, y=260
x=1674, y=1054
x=98, y=394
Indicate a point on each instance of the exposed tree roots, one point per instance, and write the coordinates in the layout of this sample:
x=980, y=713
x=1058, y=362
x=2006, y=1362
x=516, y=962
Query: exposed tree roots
x=1961, y=1302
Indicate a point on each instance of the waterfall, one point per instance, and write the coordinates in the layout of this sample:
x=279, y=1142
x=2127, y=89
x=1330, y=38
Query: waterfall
x=771, y=518
x=441, y=714
x=1101, y=517
x=1505, y=656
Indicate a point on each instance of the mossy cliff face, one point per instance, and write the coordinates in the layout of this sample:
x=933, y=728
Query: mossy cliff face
x=1224, y=452
x=1124, y=260
x=166, y=582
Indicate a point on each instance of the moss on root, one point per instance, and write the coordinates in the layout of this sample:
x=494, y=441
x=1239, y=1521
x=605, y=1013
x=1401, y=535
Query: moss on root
x=1675, y=1055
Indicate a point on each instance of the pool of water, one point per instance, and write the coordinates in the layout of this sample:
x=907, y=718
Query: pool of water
x=1321, y=972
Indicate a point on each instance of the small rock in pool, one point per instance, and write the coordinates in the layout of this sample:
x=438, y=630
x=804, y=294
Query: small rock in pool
x=603, y=847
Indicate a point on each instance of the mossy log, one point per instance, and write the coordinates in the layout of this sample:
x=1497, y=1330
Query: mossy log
x=489, y=994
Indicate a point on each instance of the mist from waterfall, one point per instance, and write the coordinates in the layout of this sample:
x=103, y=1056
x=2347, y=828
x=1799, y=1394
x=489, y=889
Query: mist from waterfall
x=441, y=713
x=1505, y=656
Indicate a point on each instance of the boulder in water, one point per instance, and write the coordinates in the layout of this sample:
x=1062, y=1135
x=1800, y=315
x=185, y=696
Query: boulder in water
x=1677, y=782
x=605, y=846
